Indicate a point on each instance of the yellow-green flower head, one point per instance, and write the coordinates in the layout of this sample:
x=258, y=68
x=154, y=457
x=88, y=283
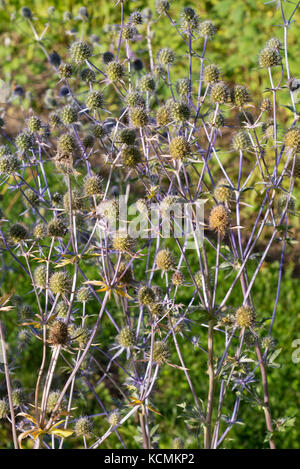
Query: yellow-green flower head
x=58, y=334
x=93, y=185
x=131, y=156
x=245, y=317
x=207, y=29
x=180, y=111
x=67, y=144
x=135, y=99
x=178, y=278
x=94, y=100
x=145, y=296
x=222, y=191
x=98, y=131
x=178, y=443
x=160, y=353
x=114, y=71
x=199, y=279
x=138, y=117
x=77, y=201
x=34, y=124
x=126, y=337
x=114, y=418
x=25, y=141
x=56, y=228
x=123, y=242
x=84, y=294
x=285, y=202
x=31, y=198
x=156, y=309
x=182, y=87
x=166, y=56
x=40, y=276
x=219, y=219
x=240, y=95
x=180, y=148
x=69, y=115
x=60, y=283
x=17, y=232
x=81, y=335
x=269, y=58
x=274, y=43
x=52, y=400
x=292, y=139
x=83, y=427
x=147, y=83
x=129, y=32
x=62, y=309
x=80, y=51
x=241, y=141
x=162, y=6
x=18, y=397
x=9, y=164
x=268, y=343
x=5, y=151
x=216, y=121
x=219, y=92
x=163, y=116
x=40, y=231
x=65, y=71
x=4, y=409
x=211, y=74
x=165, y=260
x=54, y=120
x=88, y=75
x=127, y=136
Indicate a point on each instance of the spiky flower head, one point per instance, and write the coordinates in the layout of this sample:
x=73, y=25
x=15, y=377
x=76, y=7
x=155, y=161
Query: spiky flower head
x=18, y=397
x=156, y=309
x=88, y=141
x=31, y=198
x=163, y=116
x=240, y=95
x=138, y=116
x=207, y=281
x=34, y=124
x=180, y=111
x=107, y=57
x=59, y=283
x=65, y=71
x=222, y=192
x=216, y=121
x=162, y=6
x=219, y=219
x=136, y=17
x=126, y=337
x=94, y=100
x=135, y=99
x=5, y=151
x=166, y=56
x=114, y=71
x=274, y=43
x=129, y=32
x=180, y=148
x=83, y=294
x=145, y=296
x=295, y=167
x=211, y=74
x=207, y=29
x=88, y=75
x=285, y=202
x=268, y=58
x=61, y=309
x=178, y=443
x=114, y=418
x=268, y=343
x=40, y=231
x=81, y=335
x=80, y=51
x=25, y=141
x=17, y=232
x=266, y=105
x=189, y=19
x=241, y=141
x=131, y=156
x=168, y=203
x=54, y=120
x=127, y=136
x=58, y=334
x=93, y=185
x=52, y=400
x=219, y=92
x=67, y=144
x=110, y=209
x=147, y=83
x=40, y=276
x=165, y=260
x=123, y=242
x=9, y=164
x=56, y=228
x=160, y=353
x=69, y=114
x=182, y=87
x=4, y=409
x=245, y=317
x=142, y=205
x=158, y=292
x=178, y=278
x=83, y=427
x=77, y=201
x=124, y=273
x=292, y=139
x=98, y=131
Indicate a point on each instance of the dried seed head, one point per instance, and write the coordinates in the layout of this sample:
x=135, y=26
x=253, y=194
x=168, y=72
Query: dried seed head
x=94, y=100
x=114, y=71
x=240, y=95
x=160, y=352
x=222, y=192
x=269, y=58
x=93, y=185
x=219, y=219
x=69, y=114
x=58, y=334
x=114, y=418
x=219, y=92
x=123, y=242
x=147, y=83
x=180, y=148
x=56, y=228
x=292, y=139
x=241, y=141
x=180, y=112
x=17, y=233
x=126, y=337
x=245, y=317
x=146, y=296
x=166, y=56
x=165, y=260
x=80, y=51
x=40, y=276
x=163, y=116
x=178, y=278
x=131, y=156
x=83, y=427
x=211, y=74
x=138, y=117
x=207, y=29
x=59, y=283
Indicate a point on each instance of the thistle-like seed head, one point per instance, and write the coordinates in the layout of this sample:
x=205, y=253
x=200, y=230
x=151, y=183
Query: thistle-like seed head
x=123, y=242
x=182, y=87
x=127, y=136
x=274, y=43
x=52, y=400
x=147, y=83
x=93, y=185
x=222, y=192
x=216, y=121
x=58, y=334
x=25, y=141
x=67, y=144
x=165, y=260
x=59, y=283
x=40, y=231
x=83, y=427
x=245, y=317
x=34, y=124
x=135, y=99
x=18, y=397
x=211, y=74
x=65, y=71
x=138, y=117
x=129, y=32
x=31, y=198
x=94, y=100
x=160, y=352
x=54, y=120
x=269, y=58
x=163, y=116
x=114, y=71
x=145, y=296
x=17, y=233
x=4, y=409
x=9, y=164
x=241, y=141
x=178, y=443
x=166, y=56
x=219, y=92
x=77, y=201
x=206, y=29
x=180, y=111
x=81, y=335
x=266, y=105
x=126, y=337
x=219, y=219
x=285, y=202
x=114, y=418
x=180, y=148
x=83, y=294
x=69, y=114
x=80, y=51
x=292, y=139
x=268, y=343
x=131, y=156
x=40, y=276
x=178, y=278
x=61, y=309
x=56, y=228
x=88, y=75
x=240, y=95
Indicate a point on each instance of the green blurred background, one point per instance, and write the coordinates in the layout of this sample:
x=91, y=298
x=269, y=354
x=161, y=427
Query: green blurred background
x=244, y=26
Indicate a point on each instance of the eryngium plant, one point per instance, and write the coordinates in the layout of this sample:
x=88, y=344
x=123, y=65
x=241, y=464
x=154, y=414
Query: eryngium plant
x=109, y=309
